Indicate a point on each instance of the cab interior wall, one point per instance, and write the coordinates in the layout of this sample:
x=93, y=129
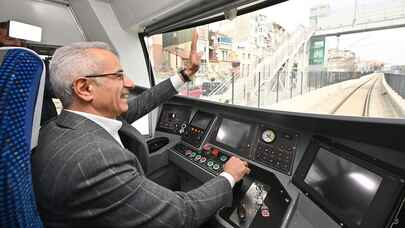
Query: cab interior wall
x=58, y=20
x=100, y=22
x=81, y=20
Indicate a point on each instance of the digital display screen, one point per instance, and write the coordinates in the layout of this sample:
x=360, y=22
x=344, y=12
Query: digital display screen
x=348, y=187
x=201, y=120
x=233, y=134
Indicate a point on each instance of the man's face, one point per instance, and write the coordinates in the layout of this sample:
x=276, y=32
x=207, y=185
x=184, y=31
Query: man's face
x=110, y=93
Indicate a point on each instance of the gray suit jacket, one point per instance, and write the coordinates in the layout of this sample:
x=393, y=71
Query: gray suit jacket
x=83, y=178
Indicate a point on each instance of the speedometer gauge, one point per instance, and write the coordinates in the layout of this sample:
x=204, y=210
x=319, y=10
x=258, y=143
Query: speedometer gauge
x=268, y=136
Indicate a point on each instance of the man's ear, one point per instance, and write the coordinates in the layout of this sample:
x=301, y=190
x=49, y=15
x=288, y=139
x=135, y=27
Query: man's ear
x=83, y=89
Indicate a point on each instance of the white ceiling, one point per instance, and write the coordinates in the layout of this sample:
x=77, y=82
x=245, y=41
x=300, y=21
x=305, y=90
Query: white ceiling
x=135, y=13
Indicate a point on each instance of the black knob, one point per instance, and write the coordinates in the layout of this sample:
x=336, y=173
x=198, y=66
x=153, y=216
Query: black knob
x=172, y=115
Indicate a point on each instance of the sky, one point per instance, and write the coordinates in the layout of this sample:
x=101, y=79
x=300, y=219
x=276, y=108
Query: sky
x=385, y=45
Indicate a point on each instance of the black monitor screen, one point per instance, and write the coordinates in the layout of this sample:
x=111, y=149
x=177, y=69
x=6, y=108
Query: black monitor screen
x=201, y=120
x=343, y=184
x=233, y=134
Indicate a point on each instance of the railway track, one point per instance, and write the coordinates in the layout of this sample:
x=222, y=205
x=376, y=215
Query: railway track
x=357, y=102
x=366, y=107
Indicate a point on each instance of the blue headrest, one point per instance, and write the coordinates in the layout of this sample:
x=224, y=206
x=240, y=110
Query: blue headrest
x=21, y=91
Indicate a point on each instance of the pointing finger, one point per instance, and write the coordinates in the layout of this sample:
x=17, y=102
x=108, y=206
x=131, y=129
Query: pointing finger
x=194, y=41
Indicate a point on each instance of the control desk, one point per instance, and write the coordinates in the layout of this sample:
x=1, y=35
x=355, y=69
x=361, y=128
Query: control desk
x=329, y=172
x=260, y=200
x=271, y=146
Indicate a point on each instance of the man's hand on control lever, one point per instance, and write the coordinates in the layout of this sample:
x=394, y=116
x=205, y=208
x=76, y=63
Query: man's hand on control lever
x=237, y=168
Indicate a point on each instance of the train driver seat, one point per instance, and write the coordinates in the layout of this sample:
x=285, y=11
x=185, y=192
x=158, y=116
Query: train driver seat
x=22, y=82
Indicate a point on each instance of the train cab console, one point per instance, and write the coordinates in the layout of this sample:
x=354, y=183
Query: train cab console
x=209, y=140
x=263, y=201
x=295, y=174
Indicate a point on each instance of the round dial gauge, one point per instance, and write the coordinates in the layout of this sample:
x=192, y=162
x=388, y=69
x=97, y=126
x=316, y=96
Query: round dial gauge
x=268, y=136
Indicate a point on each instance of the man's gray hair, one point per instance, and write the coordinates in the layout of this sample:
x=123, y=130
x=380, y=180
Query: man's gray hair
x=70, y=62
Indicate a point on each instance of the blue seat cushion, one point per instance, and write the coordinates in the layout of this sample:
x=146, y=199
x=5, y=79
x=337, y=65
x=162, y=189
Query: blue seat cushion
x=20, y=75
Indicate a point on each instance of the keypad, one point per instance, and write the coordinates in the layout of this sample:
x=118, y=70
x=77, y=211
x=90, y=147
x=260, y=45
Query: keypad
x=279, y=157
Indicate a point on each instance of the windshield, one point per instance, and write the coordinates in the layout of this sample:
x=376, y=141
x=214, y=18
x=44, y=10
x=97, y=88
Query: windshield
x=326, y=57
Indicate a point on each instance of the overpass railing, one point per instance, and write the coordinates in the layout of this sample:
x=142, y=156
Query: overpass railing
x=319, y=79
x=396, y=82
x=287, y=85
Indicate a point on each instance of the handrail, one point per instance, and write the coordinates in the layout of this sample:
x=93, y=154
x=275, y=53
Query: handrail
x=217, y=89
x=286, y=51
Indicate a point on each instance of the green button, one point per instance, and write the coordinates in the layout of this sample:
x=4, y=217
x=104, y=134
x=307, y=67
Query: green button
x=210, y=163
x=223, y=158
x=193, y=154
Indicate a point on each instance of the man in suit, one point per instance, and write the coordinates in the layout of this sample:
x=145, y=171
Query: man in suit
x=84, y=176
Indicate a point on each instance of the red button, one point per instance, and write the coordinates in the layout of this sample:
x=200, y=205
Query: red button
x=215, y=152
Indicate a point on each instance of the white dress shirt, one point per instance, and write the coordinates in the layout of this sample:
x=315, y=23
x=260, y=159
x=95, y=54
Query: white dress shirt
x=112, y=125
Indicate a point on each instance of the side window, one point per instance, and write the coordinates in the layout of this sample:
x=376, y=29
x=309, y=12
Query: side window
x=142, y=125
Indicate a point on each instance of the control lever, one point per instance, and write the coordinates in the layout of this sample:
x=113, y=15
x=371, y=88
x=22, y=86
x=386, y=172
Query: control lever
x=241, y=211
x=239, y=191
x=240, y=207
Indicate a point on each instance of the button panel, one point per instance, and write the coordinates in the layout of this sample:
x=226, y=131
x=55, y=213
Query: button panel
x=210, y=158
x=279, y=154
x=172, y=118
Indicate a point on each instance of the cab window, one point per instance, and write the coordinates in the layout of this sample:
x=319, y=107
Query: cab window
x=324, y=57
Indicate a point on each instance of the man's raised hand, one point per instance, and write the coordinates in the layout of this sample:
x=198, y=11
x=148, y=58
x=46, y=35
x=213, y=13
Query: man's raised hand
x=195, y=58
